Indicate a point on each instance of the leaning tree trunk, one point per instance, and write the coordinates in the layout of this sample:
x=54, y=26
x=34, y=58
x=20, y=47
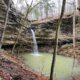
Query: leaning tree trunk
x=18, y=36
x=5, y=25
x=30, y=8
x=20, y=30
x=56, y=40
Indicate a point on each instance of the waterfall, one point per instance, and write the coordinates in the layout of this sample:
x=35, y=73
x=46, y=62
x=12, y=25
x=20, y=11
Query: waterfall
x=35, y=46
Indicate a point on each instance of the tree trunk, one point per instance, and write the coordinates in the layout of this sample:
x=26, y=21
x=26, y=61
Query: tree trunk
x=16, y=41
x=74, y=41
x=56, y=41
x=5, y=25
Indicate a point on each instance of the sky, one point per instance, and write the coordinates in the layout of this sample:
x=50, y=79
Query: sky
x=21, y=6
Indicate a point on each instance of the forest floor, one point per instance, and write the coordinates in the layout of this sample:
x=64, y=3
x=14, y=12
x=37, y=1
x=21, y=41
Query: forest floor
x=12, y=68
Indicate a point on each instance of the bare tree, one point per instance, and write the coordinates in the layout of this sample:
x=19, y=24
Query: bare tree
x=74, y=36
x=24, y=22
x=56, y=41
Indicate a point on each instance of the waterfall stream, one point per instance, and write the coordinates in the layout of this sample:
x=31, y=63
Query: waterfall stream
x=35, y=46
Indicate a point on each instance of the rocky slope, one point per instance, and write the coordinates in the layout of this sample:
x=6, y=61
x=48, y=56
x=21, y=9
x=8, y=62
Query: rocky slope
x=11, y=68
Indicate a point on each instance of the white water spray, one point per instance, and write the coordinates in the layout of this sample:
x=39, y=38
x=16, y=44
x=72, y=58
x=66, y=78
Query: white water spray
x=35, y=46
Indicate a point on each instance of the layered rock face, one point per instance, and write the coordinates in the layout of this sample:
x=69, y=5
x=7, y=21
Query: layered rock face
x=45, y=34
x=44, y=31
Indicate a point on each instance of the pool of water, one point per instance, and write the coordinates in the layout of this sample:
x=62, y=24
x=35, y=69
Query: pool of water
x=42, y=63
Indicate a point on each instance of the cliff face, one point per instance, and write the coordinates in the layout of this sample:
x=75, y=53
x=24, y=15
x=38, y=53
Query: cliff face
x=44, y=31
x=45, y=34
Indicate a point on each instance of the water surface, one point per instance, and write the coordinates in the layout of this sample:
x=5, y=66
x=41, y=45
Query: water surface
x=42, y=63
